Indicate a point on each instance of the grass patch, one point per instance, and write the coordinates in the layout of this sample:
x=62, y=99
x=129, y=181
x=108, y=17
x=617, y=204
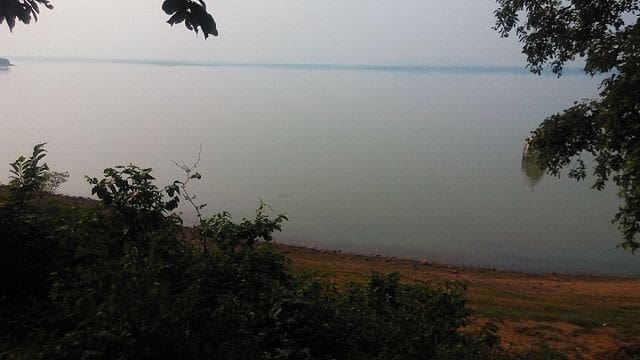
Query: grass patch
x=505, y=299
x=588, y=313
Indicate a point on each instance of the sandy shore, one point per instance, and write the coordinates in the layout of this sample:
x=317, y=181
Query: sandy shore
x=584, y=317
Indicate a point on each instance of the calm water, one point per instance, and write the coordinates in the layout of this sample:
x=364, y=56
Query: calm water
x=417, y=164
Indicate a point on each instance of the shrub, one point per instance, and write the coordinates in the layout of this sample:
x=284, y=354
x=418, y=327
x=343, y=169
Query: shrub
x=122, y=281
x=30, y=228
x=30, y=177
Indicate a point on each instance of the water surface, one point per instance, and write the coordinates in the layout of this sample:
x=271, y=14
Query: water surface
x=419, y=164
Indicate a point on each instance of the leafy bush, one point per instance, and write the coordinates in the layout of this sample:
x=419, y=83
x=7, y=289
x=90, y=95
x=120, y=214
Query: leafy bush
x=31, y=225
x=30, y=177
x=228, y=235
x=126, y=281
x=391, y=320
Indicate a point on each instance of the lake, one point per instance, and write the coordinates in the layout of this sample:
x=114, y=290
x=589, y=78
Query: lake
x=415, y=162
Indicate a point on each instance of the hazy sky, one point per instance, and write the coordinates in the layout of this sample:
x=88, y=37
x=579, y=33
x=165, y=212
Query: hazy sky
x=313, y=31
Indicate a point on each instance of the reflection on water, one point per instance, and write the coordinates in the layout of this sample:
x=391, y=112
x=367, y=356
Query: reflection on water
x=530, y=168
x=532, y=171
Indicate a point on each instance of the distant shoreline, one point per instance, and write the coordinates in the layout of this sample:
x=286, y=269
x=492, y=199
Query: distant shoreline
x=388, y=68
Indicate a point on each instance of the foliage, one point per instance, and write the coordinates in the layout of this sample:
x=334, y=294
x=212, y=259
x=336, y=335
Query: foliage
x=389, y=320
x=135, y=202
x=53, y=180
x=30, y=227
x=28, y=223
x=607, y=35
x=24, y=11
x=193, y=13
x=124, y=281
x=31, y=177
x=225, y=233
x=27, y=175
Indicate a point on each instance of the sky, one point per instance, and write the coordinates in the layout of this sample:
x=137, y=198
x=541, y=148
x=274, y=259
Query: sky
x=429, y=32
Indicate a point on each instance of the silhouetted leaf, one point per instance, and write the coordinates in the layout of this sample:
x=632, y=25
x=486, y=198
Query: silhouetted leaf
x=22, y=10
x=193, y=13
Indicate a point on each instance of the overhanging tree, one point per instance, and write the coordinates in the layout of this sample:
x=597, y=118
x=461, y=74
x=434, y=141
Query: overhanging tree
x=605, y=33
x=193, y=13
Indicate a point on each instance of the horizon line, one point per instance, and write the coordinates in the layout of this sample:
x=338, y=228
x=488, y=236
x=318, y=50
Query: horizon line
x=398, y=68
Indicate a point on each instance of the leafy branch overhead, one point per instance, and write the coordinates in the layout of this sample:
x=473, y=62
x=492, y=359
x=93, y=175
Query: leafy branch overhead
x=193, y=13
x=21, y=10
x=603, y=32
x=606, y=35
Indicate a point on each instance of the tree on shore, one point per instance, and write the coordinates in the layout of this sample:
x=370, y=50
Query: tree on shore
x=193, y=13
x=606, y=35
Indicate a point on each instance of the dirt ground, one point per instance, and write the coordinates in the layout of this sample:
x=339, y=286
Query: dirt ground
x=582, y=317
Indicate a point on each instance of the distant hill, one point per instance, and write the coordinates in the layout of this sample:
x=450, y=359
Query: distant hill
x=4, y=63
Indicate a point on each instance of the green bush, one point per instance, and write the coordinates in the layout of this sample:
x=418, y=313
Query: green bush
x=31, y=227
x=124, y=281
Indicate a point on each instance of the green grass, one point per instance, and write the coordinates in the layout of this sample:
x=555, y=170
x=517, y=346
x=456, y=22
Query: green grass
x=508, y=305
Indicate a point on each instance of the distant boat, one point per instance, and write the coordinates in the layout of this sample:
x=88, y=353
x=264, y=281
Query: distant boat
x=5, y=64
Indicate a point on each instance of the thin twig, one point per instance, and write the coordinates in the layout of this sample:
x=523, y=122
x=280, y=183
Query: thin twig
x=185, y=192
